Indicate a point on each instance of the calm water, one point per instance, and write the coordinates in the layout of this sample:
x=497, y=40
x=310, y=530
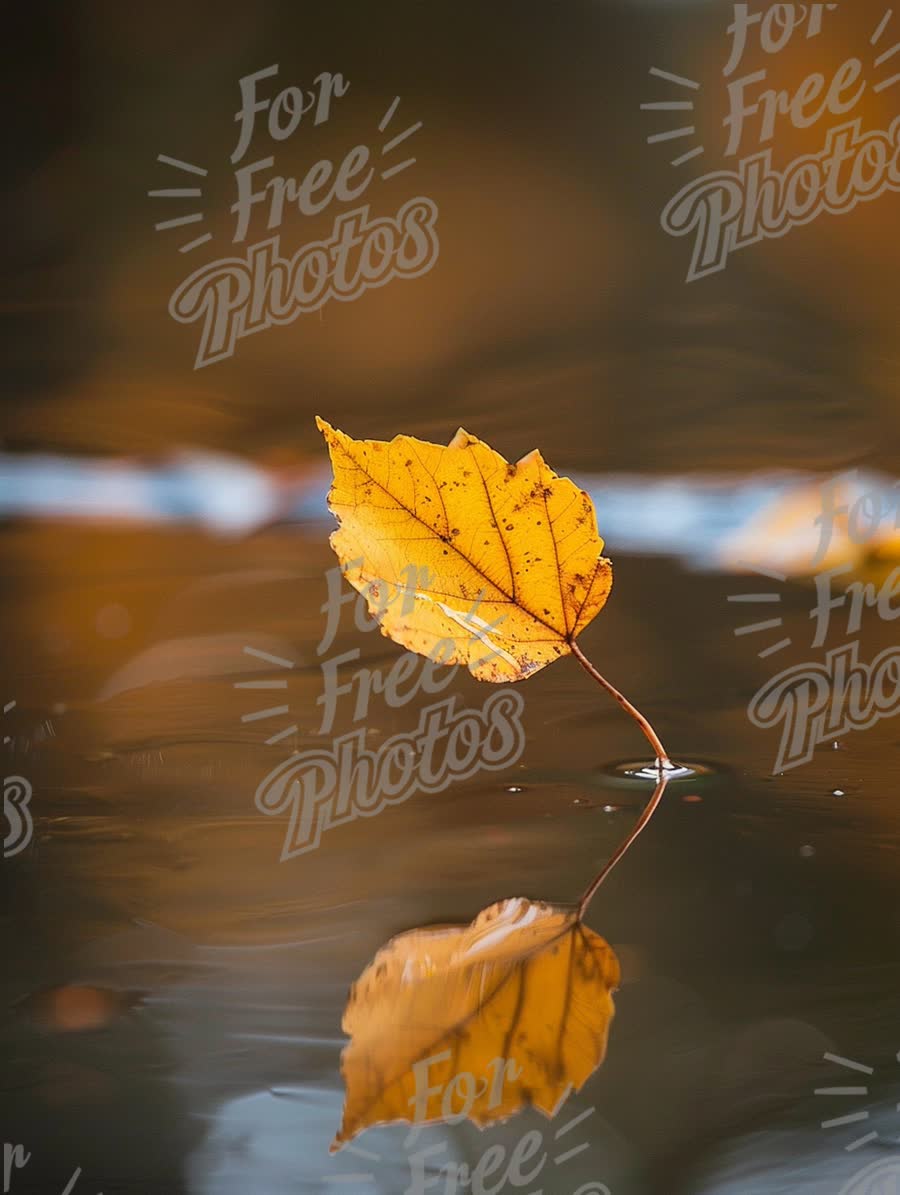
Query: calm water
x=756, y=926
x=196, y=1046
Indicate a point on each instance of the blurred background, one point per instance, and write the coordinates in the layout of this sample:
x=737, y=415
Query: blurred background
x=159, y=519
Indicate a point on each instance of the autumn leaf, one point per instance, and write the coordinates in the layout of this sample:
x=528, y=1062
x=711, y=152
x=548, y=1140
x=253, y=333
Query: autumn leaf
x=463, y=556
x=477, y=1020
x=471, y=560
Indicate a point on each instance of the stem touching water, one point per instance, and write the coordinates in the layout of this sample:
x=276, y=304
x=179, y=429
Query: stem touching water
x=663, y=764
x=652, y=737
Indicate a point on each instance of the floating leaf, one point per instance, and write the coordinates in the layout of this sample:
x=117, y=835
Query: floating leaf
x=477, y=1020
x=464, y=556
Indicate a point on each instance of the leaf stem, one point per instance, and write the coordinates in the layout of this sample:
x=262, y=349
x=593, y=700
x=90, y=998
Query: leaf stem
x=650, y=734
x=625, y=846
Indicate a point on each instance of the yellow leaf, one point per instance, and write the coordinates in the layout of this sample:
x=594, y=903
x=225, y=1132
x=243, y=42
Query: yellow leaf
x=463, y=556
x=477, y=1020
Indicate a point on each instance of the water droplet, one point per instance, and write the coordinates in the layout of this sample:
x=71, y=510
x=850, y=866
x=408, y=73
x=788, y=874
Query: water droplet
x=612, y=808
x=514, y=788
x=644, y=771
x=838, y=792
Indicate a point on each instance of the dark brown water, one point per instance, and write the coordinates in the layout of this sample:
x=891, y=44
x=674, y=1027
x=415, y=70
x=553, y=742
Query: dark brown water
x=757, y=926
